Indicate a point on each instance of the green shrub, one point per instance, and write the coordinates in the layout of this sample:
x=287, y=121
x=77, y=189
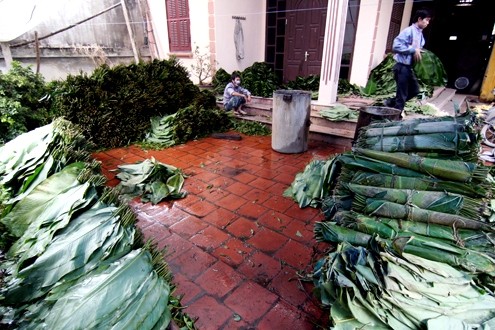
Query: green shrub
x=24, y=102
x=260, y=79
x=113, y=106
x=309, y=83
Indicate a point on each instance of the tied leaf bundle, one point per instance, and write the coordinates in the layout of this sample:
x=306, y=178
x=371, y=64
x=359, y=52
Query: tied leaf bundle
x=439, y=168
x=439, y=201
x=442, y=136
x=397, y=216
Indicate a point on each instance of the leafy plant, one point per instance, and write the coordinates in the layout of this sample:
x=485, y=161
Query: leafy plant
x=260, y=79
x=220, y=80
x=203, y=68
x=24, y=102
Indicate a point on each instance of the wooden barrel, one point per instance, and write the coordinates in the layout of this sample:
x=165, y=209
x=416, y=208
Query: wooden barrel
x=290, y=121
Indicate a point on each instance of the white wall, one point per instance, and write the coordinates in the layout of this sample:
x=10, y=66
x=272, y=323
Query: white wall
x=253, y=28
x=371, y=38
x=158, y=16
x=212, y=30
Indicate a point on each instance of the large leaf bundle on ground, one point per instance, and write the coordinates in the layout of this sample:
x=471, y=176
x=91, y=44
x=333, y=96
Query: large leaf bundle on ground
x=437, y=206
x=379, y=288
x=113, y=106
x=76, y=260
x=194, y=122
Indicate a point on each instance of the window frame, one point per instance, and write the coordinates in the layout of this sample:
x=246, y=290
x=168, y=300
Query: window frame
x=179, y=26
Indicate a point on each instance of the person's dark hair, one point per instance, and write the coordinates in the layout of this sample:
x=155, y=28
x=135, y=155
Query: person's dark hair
x=234, y=75
x=421, y=13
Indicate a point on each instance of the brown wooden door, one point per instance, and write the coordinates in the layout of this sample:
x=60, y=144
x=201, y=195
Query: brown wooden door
x=305, y=32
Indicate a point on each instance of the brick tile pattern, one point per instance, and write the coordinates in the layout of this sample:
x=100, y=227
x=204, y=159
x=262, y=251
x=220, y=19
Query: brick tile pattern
x=235, y=245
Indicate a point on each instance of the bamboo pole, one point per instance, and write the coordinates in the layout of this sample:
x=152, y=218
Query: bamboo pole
x=37, y=44
x=129, y=30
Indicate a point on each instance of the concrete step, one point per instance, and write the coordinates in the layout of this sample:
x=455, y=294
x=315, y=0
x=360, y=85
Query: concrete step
x=442, y=99
x=340, y=132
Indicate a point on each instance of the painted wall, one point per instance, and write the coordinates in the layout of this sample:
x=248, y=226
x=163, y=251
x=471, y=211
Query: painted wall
x=371, y=38
x=253, y=28
x=104, y=38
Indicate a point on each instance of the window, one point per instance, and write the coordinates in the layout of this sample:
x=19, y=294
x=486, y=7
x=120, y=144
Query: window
x=179, y=33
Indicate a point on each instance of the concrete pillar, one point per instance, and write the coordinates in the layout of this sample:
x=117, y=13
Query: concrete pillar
x=7, y=55
x=371, y=38
x=332, y=51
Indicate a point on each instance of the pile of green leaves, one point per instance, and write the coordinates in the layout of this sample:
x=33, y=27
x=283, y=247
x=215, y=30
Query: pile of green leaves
x=76, y=258
x=25, y=103
x=309, y=83
x=381, y=79
x=339, y=112
x=31, y=157
x=113, y=106
x=381, y=287
x=345, y=88
x=430, y=70
x=152, y=180
x=248, y=127
x=194, y=122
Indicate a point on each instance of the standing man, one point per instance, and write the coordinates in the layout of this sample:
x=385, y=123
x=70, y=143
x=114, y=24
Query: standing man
x=234, y=96
x=407, y=47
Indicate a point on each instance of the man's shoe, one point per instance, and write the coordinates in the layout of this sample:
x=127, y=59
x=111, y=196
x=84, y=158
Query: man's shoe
x=242, y=112
x=390, y=103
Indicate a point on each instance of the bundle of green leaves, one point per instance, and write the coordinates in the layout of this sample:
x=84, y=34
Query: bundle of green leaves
x=113, y=106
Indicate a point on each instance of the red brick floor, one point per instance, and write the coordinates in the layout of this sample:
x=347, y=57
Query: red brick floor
x=235, y=244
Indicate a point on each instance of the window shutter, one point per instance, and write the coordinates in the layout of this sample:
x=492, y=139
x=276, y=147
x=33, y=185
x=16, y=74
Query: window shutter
x=179, y=33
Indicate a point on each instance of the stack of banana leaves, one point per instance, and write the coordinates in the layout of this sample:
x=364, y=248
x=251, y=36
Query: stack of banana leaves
x=433, y=136
x=414, y=232
x=70, y=253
